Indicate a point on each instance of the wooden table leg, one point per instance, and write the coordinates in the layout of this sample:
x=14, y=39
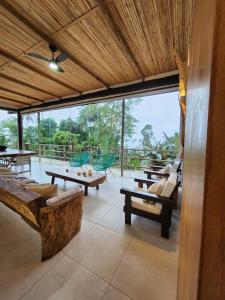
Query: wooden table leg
x=85, y=190
x=53, y=180
x=97, y=187
x=149, y=176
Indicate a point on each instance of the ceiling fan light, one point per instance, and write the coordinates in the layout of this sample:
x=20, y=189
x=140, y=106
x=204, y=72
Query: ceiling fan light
x=53, y=65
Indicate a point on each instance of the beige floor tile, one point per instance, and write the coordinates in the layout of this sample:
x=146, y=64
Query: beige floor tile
x=147, y=273
x=68, y=281
x=5, y=219
x=86, y=226
x=11, y=236
x=150, y=232
x=114, y=220
x=100, y=251
x=114, y=294
x=94, y=209
x=142, y=229
x=22, y=268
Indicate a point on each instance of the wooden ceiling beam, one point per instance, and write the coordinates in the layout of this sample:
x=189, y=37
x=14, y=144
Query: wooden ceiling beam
x=31, y=68
x=48, y=39
x=20, y=94
x=15, y=101
x=28, y=85
x=12, y=99
x=122, y=41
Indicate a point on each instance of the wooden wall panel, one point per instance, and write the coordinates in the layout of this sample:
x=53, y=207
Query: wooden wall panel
x=212, y=269
x=201, y=262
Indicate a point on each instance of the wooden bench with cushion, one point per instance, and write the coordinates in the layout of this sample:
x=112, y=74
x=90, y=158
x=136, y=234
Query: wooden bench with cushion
x=57, y=219
x=164, y=172
x=159, y=208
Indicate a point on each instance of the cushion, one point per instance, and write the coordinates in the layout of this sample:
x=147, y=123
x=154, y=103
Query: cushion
x=175, y=166
x=4, y=169
x=8, y=173
x=45, y=190
x=25, y=181
x=148, y=207
x=156, y=188
x=62, y=196
x=170, y=185
x=167, y=169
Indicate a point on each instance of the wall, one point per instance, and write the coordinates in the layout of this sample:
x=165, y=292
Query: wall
x=202, y=244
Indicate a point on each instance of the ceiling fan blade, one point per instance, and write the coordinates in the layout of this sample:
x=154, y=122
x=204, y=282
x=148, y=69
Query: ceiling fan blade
x=38, y=56
x=61, y=57
x=60, y=69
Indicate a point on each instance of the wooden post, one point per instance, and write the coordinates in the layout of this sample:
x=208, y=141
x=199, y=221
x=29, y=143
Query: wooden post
x=20, y=130
x=182, y=67
x=201, y=271
x=122, y=138
x=39, y=137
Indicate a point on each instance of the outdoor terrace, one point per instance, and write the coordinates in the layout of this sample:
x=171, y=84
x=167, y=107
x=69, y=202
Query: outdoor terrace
x=106, y=260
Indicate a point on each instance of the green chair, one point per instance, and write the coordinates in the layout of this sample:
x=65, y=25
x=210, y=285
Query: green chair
x=103, y=162
x=79, y=159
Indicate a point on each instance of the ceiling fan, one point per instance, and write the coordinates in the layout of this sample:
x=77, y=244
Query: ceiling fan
x=53, y=63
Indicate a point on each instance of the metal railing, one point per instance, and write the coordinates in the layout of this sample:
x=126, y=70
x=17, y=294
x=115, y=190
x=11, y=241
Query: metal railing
x=133, y=158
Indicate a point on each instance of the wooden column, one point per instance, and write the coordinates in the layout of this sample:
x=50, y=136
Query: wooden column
x=39, y=136
x=201, y=272
x=20, y=130
x=182, y=67
x=122, y=137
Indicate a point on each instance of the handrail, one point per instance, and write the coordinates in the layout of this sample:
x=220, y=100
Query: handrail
x=134, y=158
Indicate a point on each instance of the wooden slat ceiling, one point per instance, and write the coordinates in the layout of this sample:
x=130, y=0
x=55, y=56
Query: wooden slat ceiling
x=108, y=43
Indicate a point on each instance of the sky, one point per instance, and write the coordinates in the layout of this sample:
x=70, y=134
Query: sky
x=161, y=111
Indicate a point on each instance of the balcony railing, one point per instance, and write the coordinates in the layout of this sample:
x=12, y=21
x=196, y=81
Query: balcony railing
x=133, y=158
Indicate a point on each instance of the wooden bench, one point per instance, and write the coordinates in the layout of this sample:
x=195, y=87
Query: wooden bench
x=56, y=223
x=162, y=215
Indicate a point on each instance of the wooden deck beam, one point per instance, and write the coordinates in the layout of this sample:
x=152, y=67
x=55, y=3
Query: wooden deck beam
x=15, y=101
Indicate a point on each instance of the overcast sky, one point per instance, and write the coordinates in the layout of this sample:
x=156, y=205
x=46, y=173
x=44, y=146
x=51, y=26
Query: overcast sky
x=161, y=111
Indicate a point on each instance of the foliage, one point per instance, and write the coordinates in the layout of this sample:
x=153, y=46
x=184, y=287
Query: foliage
x=65, y=138
x=68, y=125
x=147, y=133
x=9, y=129
x=96, y=125
x=48, y=127
x=3, y=140
x=30, y=135
x=100, y=125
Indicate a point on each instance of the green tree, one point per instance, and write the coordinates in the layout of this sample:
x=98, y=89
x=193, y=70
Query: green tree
x=30, y=135
x=68, y=125
x=10, y=129
x=48, y=127
x=3, y=140
x=147, y=135
x=65, y=138
x=100, y=125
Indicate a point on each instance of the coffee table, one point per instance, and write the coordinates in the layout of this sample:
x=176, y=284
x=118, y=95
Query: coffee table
x=88, y=181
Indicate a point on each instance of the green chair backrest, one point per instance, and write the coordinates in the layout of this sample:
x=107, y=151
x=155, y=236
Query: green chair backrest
x=103, y=162
x=79, y=159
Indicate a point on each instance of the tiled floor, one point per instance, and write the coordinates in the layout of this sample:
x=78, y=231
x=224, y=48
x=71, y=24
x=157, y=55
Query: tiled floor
x=107, y=260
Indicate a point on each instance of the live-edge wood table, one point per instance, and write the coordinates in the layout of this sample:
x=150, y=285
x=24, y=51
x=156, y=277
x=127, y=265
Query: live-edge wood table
x=88, y=181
